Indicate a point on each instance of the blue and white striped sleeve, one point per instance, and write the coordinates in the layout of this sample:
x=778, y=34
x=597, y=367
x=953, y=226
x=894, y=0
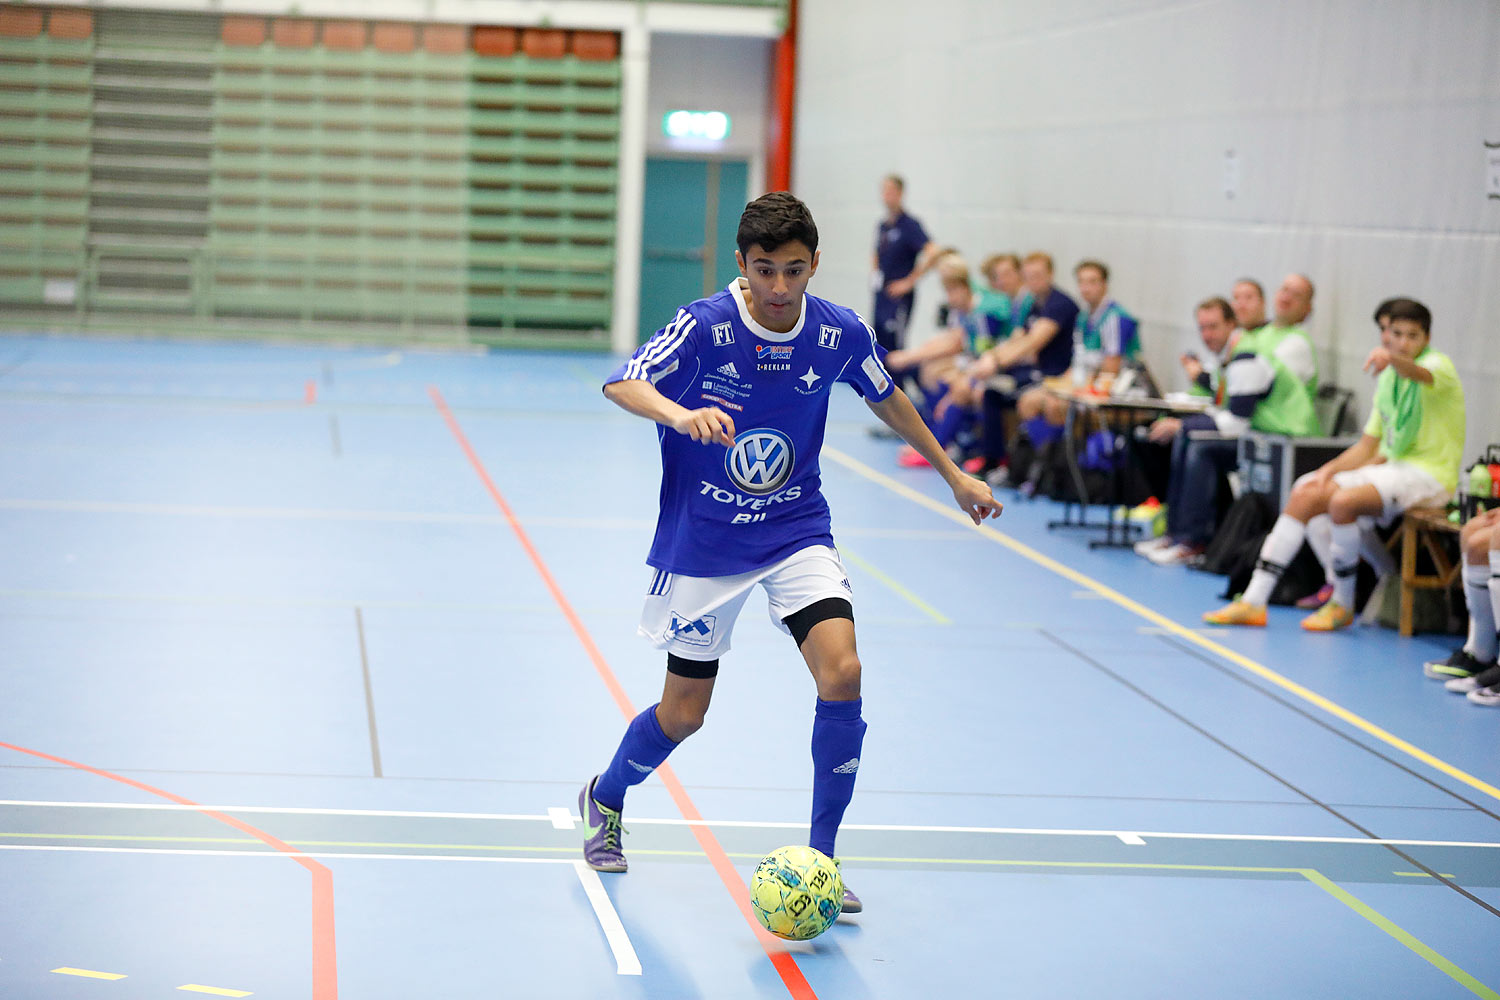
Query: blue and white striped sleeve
x=1248, y=380
x=666, y=352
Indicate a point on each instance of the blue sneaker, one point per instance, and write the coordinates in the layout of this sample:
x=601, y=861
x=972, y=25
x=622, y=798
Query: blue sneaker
x=851, y=901
x=601, y=851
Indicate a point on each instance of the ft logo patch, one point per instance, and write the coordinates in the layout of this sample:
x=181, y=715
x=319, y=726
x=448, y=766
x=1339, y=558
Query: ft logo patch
x=828, y=336
x=723, y=334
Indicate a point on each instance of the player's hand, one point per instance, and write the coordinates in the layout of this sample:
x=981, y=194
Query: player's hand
x=1165, y=430
x=897, y=359
x=1377, y=361
x=975, y=499
x=1192, y=366
x=707, y=425
x=984, y=367
x=899, y=287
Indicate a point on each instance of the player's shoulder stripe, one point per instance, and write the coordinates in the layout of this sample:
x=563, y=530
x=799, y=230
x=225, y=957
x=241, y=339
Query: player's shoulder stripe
x=662, y=345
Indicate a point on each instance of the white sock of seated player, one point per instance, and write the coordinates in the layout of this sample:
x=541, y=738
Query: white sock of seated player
x=1279, y=549
x=1477, y=594
x=1373, y=550
x=1344, y=549
x=1320, y=540
x=1494, y=592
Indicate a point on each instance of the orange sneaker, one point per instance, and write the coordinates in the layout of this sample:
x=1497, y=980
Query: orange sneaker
x=1237, y=613
x=1329, y=618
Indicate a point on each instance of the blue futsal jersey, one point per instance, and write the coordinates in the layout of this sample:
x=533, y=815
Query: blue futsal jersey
x=727, y=511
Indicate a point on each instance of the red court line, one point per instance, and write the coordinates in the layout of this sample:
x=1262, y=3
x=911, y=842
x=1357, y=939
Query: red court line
x=325, y=978
x=781, y=959
x=310, y=392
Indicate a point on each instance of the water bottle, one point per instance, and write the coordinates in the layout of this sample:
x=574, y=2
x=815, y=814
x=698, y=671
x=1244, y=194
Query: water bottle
x=1480, y=480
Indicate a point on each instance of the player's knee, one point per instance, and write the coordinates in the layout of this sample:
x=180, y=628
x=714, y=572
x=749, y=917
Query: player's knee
x=838, y=680
x=1477, y=542
x=1343, y=507
x=681, y=720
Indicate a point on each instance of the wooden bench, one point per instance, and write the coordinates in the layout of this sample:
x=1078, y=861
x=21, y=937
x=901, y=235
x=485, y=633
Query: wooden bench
x=1424, y=526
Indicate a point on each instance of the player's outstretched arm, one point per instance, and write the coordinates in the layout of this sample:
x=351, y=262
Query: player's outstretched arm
x=972, y=496
x=706, y=425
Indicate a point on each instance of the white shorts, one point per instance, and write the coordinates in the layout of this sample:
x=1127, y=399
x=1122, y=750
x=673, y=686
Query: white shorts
x=693, y=616
x=1401, y=487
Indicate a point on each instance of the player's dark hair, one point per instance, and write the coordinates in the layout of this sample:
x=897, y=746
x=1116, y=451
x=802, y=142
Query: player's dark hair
x=1383, y=311
x=1220, y=303
x=1093, y=265
x=1411, y=309
x=775, y=219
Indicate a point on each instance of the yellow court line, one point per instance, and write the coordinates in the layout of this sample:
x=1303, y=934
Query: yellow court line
x=217, y=991
x=901, y=591
x=67, y=970
x=1266, y=673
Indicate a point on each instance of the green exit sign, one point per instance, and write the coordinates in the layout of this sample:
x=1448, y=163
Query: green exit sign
x=712, y=126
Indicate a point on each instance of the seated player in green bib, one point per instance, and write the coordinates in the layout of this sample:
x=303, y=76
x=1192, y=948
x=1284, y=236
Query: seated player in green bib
x=1408, y=457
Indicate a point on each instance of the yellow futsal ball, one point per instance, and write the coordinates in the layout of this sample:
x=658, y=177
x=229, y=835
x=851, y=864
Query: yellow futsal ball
x=797, y=893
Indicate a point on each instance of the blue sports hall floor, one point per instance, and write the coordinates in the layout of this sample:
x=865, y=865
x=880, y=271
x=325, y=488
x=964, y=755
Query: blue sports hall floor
x=307, y=651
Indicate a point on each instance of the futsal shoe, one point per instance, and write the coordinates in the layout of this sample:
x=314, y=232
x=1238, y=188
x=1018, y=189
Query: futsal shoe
x=1329, y=618
x=1463, y=685
x=1487, y=696
x=851, y=901
x=601, y=850
x=1316, y=599
x=1460, y=663
x=1238, y=613
x=1150, y=545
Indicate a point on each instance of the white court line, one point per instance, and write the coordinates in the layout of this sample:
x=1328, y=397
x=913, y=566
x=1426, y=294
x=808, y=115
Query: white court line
x=561, y=818
x=395, y=516
x=258, y=853
x=1019, y=831
x=1133, y=839
x=626, y=962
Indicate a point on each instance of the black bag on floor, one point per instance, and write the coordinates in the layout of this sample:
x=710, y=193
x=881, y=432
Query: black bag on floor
x=1236, y=545
x=1235, y=550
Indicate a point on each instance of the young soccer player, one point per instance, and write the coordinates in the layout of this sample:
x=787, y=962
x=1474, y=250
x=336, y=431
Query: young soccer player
x=739, y=385
x=1408, y=457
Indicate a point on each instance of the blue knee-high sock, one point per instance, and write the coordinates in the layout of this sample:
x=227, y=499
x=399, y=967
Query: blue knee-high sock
x=642, y=750
x=838, y=733
x=1041, y=432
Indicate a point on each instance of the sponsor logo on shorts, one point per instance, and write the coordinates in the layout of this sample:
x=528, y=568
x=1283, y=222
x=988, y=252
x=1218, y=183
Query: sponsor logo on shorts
x=698, y=632
x=849, y=766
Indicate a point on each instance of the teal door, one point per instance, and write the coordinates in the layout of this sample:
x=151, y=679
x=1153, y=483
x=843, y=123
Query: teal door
x=692, y=209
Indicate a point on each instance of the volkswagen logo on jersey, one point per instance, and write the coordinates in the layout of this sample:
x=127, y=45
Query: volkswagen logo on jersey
x=761, y=460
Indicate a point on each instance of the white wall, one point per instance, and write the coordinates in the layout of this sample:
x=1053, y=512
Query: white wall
x=706, y=73
x=1100, y=127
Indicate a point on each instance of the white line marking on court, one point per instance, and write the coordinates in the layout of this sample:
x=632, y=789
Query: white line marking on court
x=561, y=818
x=1019, y=831
x=626, y=962
x=1133, y=839
x=257, y=853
